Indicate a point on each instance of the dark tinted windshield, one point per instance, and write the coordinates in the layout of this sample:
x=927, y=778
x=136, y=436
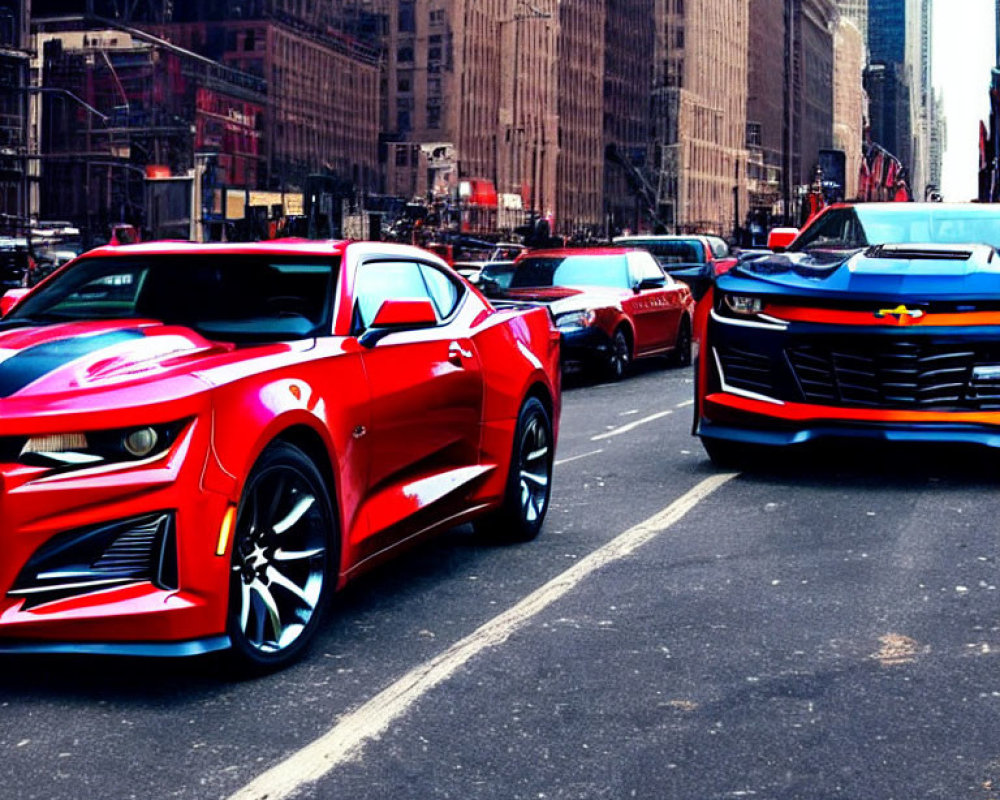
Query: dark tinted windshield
x=835, y=230
x=582, y=270
x=673, y=252
x=499, y=271
x=901, y=223
x=222, y=296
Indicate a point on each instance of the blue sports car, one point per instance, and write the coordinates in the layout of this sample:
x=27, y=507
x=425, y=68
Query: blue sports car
x=881, y=323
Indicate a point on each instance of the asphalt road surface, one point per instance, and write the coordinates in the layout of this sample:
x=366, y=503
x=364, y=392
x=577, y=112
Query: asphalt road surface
x=823, y=627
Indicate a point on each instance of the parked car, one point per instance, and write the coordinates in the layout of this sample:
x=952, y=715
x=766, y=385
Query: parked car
x=612, y=305
x=695, y=259
x=892, y=342
x=200, y=443
x=15, y=261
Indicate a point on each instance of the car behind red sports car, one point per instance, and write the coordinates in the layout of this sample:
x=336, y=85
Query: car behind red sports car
x=200, y=443
x=611, y=304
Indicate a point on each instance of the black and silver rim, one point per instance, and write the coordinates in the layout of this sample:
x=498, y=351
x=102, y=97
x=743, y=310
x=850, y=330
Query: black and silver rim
x=619, y=355
x=280, y=557
x=535, y=465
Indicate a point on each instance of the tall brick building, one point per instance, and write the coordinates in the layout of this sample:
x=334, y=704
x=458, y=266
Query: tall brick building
x=628, y=41
x=700, y=113
x=471, y=97
x=322, y=108
x=14, y=61
x=580, y=174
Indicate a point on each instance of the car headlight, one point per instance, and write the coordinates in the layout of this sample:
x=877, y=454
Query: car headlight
x=743, y=305
x=90, y=448
x=574, y=320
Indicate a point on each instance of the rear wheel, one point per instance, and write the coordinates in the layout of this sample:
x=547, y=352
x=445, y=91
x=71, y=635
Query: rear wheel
x=681, y=357
x=283, y=561
x=529, y=479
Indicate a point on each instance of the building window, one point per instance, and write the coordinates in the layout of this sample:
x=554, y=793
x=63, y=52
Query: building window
x=404, y=84
x=407, y=19
x=754, y=134
x=405, y=54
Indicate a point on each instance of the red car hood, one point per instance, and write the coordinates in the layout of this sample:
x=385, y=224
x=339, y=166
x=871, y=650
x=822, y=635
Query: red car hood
x=70, y=357
x=569, y=298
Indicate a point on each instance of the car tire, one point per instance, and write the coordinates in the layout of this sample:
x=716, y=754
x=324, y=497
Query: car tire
x=284, y=556
x=724, y=453
x=620, y=356
x=529, y=479
x=681, y=355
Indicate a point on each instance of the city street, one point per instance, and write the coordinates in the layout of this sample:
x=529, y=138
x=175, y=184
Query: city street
x=829, y=628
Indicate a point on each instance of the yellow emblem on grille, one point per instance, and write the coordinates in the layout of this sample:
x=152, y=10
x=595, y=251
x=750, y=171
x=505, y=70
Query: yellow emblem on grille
x=900, y=313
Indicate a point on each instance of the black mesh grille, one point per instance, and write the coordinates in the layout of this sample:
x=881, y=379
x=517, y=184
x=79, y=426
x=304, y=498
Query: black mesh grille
x=132, y=552
x=747, y=370
x=891, y=374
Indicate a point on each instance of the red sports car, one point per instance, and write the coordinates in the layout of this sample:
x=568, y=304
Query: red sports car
x=200, y=443
x=611, y=304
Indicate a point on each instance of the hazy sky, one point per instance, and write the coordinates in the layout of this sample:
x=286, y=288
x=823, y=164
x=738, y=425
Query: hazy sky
x=964, y=50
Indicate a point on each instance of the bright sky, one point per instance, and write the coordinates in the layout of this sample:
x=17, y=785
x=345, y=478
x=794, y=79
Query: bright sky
x=964, y=51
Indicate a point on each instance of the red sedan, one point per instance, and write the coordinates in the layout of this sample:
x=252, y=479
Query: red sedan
x=200, y=443
x=612, y=305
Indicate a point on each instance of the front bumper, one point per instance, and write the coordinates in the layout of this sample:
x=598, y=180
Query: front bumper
x=588, y=346
x=39, y=510
x=803, y=382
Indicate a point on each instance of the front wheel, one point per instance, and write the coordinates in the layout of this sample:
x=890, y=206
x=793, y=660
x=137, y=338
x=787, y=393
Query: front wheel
x=620, y=356
x=529, y=478
x=284, y=547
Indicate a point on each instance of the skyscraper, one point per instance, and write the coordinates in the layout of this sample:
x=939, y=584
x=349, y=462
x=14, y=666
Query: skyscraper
x=857, y=12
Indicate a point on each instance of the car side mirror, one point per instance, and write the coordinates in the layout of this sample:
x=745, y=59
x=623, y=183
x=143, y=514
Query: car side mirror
x=10, y=299
x=394, y=315
x=778, y=239
x=650, y=283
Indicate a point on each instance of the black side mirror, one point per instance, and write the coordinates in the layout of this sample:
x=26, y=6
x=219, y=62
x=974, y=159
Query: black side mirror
x=650, y=283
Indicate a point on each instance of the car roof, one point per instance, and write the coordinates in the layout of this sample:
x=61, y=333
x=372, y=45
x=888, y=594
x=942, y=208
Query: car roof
x=273, y=247
x=981, y=209
x=665, y=237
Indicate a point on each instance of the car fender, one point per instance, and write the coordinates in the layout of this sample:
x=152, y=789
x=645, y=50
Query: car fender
x=245, y=422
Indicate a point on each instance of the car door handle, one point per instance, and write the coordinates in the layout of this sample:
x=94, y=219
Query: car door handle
x=456, y=353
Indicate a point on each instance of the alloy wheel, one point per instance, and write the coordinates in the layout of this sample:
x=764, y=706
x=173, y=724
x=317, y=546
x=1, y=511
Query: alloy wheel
x=279, y=558
x=535, y=465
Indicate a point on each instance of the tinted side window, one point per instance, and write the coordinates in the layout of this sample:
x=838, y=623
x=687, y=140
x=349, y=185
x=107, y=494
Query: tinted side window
x=443, y=290
x=719, y=248
x=834, y=229
x=378, y=281
x=643, y=266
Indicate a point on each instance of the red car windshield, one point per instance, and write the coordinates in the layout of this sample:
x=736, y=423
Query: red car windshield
x=582, y=270
x=224, y=297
